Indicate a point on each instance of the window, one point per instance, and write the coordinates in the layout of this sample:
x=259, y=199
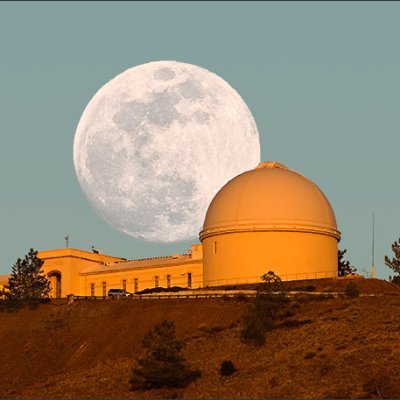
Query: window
x=92, y=289
x=156, y=281
x=215, y=247
x=136, y=284
x=124, y=284
x=104, y=289
x=189, y=280
x=168, y=281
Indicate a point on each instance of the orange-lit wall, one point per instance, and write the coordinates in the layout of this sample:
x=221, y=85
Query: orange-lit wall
x=70, y=262
x=244, y=256
x=145, y=276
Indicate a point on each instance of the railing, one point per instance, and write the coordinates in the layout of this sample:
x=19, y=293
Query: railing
x=257, y=279
x=204, y=295
x=198, y=282
x=211, y=294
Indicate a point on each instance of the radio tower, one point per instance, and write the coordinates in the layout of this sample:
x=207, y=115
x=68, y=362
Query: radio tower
x=373, y=247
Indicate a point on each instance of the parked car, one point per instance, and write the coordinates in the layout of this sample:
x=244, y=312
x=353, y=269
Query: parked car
x=118, y=293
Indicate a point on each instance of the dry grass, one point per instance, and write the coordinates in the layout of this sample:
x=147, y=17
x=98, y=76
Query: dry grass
x=333, y=348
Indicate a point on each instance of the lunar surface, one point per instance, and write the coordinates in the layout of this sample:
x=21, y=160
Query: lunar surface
x=156, y=143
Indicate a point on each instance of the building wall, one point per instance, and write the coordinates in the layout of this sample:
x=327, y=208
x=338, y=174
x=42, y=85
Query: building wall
x=145, y=278
x=69, y=263
x=197, y=251
x=243, y=257
x=229, y=258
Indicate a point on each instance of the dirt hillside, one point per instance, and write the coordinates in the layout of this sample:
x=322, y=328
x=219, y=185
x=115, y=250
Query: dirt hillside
x=342, y=348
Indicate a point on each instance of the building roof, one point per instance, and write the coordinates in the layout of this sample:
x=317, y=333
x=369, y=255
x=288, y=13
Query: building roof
x=4, y=278
x=141, y=264
x=270, y=197
x=77, y=253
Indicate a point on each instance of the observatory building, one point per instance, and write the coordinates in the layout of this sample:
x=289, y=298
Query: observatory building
x=267, y=219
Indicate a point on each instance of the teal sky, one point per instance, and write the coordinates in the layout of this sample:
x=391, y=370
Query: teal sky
x=321, y=79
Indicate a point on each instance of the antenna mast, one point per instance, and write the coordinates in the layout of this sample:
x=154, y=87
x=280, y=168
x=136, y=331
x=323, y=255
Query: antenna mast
x=66, y=240
x=373, y=247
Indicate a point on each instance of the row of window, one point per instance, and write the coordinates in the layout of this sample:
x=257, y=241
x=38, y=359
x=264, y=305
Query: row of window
x=136, y=284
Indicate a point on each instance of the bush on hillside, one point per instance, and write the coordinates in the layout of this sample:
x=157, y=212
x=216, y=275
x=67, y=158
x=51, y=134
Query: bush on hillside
x=269, y=305
x=241, y=297
x=394, y=263
x=27, y=281
x=162, y=363
x=344, y=267
x=272, y=283
x=380, y=386
x=395, y=279
x=254, y=328
x=351, y=290
x=227, y=368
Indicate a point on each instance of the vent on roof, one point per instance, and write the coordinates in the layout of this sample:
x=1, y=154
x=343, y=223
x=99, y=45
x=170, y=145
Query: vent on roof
x=179, y=255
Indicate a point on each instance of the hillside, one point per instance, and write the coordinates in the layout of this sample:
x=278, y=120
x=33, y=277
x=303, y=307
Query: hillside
x=347, y=348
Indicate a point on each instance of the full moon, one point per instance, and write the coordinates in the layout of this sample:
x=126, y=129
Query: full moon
x=156, y=143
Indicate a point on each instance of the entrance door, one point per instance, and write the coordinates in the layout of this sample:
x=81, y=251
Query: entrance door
x=55, y=284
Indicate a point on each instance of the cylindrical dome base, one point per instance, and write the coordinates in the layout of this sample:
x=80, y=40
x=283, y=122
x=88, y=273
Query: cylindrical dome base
x=243, y=257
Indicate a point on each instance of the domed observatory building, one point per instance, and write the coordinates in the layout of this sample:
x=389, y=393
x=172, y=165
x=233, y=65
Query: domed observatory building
x=269, y=219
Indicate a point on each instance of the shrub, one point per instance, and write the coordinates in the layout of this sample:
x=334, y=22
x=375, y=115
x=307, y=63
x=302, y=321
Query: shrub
x=271, y=283
x=10, y=306
x=260, y=317
x=254, y=328
x=395, y=279
x=351, y=290
x=240, y=297
x=380, y=386
x=227, y=368
x=27, y=281
x=269, y=305
x=162, y=364
x=344, y=267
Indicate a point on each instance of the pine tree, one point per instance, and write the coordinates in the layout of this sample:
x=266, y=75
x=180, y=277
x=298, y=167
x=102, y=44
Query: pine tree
x=27, y=281
x=162, y=364
x=344, y=267
x=394, y=263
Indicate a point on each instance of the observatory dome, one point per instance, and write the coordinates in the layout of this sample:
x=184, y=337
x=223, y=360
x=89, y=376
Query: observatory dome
x=270, y=197
x=269, y=219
